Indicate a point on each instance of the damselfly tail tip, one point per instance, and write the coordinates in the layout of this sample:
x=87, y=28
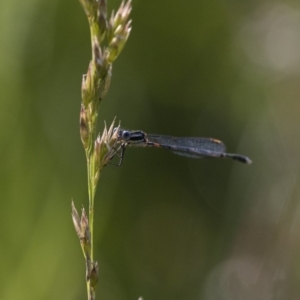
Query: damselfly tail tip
x=248, y=161
x=240, y=158
x=243, y=159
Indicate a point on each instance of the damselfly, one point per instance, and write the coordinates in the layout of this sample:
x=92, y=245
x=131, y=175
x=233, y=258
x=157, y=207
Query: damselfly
x=195, y=147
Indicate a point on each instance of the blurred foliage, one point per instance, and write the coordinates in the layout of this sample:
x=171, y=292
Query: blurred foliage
x=167, y=227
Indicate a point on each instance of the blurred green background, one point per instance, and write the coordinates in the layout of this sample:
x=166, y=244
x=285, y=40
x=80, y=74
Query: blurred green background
x=167, y=227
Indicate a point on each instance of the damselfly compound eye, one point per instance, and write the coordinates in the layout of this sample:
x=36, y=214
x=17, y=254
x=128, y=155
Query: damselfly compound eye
x=126, y=135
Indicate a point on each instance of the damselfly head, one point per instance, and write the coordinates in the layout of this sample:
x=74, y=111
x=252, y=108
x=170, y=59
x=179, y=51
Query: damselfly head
x=123, y=135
